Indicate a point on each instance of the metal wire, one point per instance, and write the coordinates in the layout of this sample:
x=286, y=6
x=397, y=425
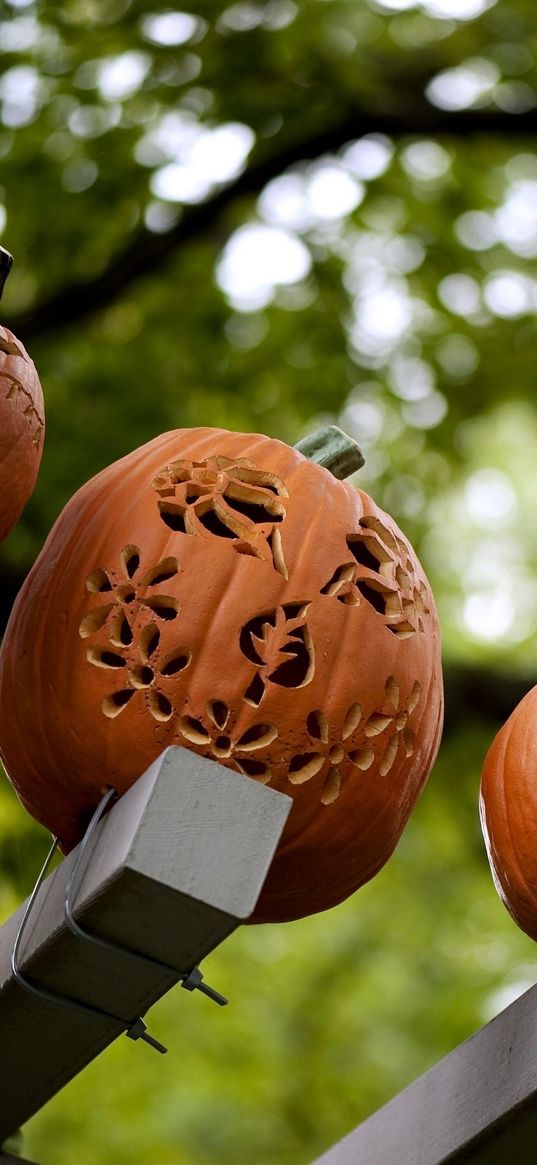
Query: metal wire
x=33, y=988
x=15, y=967
x=190, y=980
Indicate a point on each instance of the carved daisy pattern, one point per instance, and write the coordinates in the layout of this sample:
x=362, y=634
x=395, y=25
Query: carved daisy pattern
x=127, y=592
x=120, y=646
x=352, y=744
x=142, y=672
x=215, y=734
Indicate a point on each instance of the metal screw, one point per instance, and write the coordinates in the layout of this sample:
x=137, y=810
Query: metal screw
x=138, y=1031
x=194, y=982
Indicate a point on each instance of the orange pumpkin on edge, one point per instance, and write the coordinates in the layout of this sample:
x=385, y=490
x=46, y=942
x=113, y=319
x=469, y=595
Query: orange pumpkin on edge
x=22, y=420
x=220, y=591
x=508, y=809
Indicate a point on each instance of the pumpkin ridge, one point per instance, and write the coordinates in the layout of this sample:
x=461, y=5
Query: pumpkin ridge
x=9, y=451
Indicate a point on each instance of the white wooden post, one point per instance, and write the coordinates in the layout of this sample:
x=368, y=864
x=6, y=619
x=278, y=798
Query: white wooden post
x=478, y=1105
x=177, y=864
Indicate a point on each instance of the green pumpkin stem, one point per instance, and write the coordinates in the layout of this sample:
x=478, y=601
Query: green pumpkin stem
x=333, y=449
x=6, y=263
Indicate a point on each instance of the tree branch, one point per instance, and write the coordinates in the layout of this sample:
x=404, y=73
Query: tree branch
x=488, y=694
x=146, y=252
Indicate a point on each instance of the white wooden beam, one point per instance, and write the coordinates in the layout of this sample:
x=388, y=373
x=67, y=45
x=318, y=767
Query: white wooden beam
x=177, y=864
x=478, y=1105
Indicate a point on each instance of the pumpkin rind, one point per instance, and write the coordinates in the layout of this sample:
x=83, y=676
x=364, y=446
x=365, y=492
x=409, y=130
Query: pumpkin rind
x=22, y=427
x=219, y=591
x=508, y=809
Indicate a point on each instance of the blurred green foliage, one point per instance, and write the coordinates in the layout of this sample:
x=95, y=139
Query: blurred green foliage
x=357, y=248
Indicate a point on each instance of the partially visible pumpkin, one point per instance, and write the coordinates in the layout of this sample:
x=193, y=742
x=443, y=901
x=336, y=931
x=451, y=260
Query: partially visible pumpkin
x=219, y=591
x=508, y=808
x=22, y=422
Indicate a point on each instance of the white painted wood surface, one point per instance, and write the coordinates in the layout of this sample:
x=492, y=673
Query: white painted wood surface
x=478, y=1105
x=177, y=864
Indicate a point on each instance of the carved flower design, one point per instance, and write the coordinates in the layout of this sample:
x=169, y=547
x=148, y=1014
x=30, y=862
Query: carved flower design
x=228, y=498
x=382, y=573
x=214, y=733
x=134, y=656
x=392, y=724
x=332, y=749
x=143, y=671
x=126, y=592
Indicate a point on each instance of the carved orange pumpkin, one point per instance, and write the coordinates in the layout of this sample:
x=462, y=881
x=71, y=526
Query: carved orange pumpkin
x=21, y=421
x=508, y=807
x=219, y=591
